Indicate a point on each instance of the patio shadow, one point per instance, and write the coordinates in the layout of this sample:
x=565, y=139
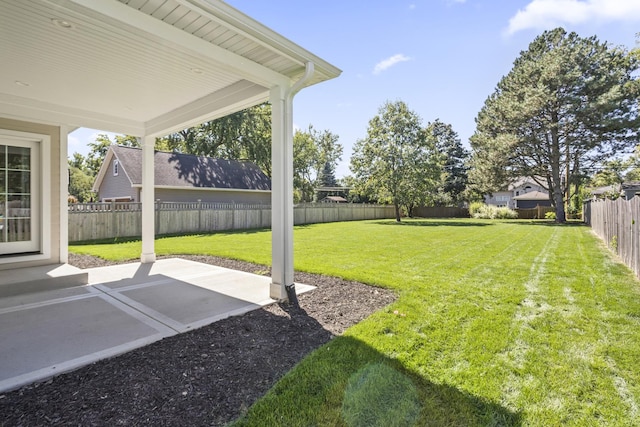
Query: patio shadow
x=355, y=385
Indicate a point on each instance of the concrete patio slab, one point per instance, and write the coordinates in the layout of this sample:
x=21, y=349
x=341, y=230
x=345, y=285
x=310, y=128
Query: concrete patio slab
x=38, y=279
x=123, y=308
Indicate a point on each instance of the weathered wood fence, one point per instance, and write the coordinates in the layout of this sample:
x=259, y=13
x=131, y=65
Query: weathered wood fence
x=92, y=221
x=538, y=212
x=441, y=212
x=617, y=223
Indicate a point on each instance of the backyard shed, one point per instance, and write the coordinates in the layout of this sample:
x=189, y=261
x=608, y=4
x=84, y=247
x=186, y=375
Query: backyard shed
x=145, y=68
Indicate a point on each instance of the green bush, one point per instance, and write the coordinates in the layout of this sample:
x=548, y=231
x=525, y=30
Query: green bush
x=482, y=211
x=506, y=213
x=550, y=215
x=475, y=207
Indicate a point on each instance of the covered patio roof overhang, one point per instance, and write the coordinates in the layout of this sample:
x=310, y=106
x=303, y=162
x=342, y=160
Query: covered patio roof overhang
x=149, y=68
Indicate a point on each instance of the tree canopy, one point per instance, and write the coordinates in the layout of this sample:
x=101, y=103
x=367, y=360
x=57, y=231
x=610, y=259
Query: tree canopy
x=568, y=104
x=314, y=152
x=454, y=163
x=396, y=163
x=242, y=135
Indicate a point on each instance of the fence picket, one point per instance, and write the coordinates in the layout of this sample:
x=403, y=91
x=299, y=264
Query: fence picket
x=93, y=221
x=616, y=223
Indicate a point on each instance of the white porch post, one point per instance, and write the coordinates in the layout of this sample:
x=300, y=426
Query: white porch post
x=147, y=198
x=281, y=193
x=64, y=195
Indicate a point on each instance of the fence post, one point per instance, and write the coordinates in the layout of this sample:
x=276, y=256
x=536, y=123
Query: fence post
x=157, y=213
x=199, y=215
x=114, y=219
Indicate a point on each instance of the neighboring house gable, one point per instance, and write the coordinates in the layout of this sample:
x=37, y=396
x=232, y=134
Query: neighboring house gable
x=181, y=178
x=520, y=194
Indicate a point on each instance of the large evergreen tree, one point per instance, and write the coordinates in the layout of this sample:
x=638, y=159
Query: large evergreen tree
x=569, y=103
x=454, y=163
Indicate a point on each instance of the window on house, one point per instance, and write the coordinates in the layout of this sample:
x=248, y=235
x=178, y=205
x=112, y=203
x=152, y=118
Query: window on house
x=116, y=167
x=517, y=193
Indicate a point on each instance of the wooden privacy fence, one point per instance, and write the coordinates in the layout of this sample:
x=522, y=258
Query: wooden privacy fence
x=538, y=212
x=92, y=221
x=616, y=223
x=440, y=212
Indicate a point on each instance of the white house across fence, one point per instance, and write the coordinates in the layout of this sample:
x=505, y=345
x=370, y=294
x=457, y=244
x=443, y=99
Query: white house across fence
x=94, y=221
x=617, y=223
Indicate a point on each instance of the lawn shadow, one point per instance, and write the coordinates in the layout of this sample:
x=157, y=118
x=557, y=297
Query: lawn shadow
x=355, y=385
x=547, y=223
x=435, y=223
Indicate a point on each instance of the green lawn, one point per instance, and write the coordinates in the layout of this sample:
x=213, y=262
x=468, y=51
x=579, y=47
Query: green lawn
x=497, y=323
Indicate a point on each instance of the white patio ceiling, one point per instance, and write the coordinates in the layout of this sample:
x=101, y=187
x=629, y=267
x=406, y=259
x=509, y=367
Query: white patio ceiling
x=140, y=67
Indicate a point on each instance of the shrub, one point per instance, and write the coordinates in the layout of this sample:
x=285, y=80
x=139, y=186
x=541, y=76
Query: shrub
x=482, y=211
x=550, y=215
x=475, y=207
x=506, y=213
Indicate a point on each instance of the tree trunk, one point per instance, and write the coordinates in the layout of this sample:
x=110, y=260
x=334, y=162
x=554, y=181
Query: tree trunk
x=397, y=207
x=556, y=181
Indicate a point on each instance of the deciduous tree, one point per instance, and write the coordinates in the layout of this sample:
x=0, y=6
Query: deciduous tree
x=313, y=151
x=396, y=163
x=242, y=135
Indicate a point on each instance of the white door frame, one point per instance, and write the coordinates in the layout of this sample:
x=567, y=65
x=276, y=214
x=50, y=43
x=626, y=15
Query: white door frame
x=41, y=195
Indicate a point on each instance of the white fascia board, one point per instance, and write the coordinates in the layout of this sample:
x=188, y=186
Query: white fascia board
x=178, y=187
x=157, y=31
x=259, y=33
x=103, y=170
x=236, y=97
x=19, y=108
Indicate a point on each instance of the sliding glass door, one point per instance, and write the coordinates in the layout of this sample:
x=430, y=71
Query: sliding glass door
x=19, y=196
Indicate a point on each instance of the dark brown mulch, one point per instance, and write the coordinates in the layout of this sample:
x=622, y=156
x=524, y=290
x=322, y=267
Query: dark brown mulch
x=208, y=376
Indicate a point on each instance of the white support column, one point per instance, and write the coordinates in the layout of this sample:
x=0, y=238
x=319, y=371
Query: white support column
x=281, y=193
x=147, y=198
x=64, y=195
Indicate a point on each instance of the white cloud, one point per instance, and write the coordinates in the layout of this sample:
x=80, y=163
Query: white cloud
x=390, y=62
x=546, y=14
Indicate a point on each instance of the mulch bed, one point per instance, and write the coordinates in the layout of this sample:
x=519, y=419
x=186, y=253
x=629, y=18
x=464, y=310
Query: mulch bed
x=208, y=376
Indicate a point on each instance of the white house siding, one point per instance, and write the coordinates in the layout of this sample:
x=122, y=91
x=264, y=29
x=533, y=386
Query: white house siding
x=117, y=186
x=500, y=198
x=53, y=187
x=226, y=196
x=505, y=198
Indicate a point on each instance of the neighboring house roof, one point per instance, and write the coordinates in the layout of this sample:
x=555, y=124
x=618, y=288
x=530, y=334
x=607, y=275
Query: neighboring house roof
x=335, y=199
x=533, y=195
x=523, y=181
x=607, y=189
x=177, y=170
x=631, y=185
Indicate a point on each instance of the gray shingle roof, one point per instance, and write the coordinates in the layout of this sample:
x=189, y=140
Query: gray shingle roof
x=186, y=170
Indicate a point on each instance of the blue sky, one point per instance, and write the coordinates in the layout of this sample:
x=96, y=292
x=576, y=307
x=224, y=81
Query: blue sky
x=442, y=57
